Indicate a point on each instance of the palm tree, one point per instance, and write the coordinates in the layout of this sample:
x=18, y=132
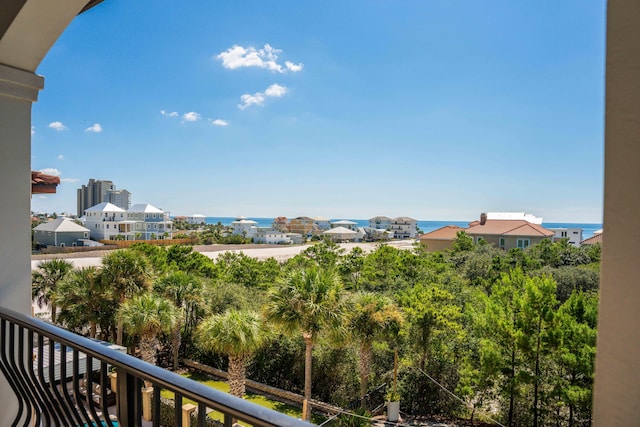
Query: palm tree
x=83, y=299
x=146, y=316
x=374, y=317
x=238, y=334
x=186, y=292
x=307, y=301
x=126, y=273
x=44, y=281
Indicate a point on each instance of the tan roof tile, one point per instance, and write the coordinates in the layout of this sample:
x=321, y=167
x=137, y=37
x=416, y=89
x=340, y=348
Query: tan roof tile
x=596, y=238
x=448, y=232
x=506, y=227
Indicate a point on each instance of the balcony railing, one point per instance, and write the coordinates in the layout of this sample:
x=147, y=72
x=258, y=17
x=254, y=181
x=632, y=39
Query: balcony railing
x=50, y=371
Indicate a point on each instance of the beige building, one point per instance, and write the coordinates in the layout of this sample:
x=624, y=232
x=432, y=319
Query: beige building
x=508, y=233
x=440, y=239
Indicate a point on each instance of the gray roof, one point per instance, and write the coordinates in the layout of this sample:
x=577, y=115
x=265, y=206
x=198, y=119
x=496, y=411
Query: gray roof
x=61, y=224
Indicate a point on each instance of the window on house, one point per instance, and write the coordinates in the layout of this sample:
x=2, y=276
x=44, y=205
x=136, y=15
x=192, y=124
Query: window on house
x=501, y=244
x=523, y=243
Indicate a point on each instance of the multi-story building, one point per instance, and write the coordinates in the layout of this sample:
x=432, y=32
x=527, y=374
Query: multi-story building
x=149, y=222
x=404, y=227
x=120, y=198
x=196, y=219
x=99, y=191
x=322, y=223
x=281, y=223
x=351, y=225
x=301, y=225
x=380, y=222
x=106, y=221
x=244, y=227
x=573, y=235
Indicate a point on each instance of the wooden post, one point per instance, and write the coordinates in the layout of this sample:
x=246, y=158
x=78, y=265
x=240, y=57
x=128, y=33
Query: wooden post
x=146, y=403
x=187, y=410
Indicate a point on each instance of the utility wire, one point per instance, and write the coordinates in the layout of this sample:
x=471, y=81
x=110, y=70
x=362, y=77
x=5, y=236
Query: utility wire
x=458, y=398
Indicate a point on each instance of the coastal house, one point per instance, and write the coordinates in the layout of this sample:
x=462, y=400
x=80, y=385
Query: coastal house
x=322, y=223
x=351, y=225
x=103, y=220
x=404, y=227
x=302, y=225
x=60, y=232
x=280, y=223
x=341, y=234
x=275, y=237
x=515, y=216
x=244, y=227
x=572, y=234
x=508, y=233
x=596, y=239
x=196, y=219
x=149, y=223
x=440, y=239
x=107, y=221
x=380, y=222
x=376, y=234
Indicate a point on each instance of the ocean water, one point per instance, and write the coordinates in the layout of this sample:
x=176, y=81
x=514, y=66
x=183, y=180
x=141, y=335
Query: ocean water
x=424, y=226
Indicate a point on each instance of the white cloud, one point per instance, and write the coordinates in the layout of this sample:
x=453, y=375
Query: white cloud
x=58, y=126
x=69, y=180
x=42, y=197
x=167, y=114
x=191, y=116
x=258, y=98
x=95, y=128
x=249, y=100
x=219, y=122
x=276, y=90
x=238, y=57
x=293, y=67
x=33, y=130
x=51, y=171
x=60, y=157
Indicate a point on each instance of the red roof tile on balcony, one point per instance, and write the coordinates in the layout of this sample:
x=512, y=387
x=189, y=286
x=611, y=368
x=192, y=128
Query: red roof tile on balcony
x=42, y=183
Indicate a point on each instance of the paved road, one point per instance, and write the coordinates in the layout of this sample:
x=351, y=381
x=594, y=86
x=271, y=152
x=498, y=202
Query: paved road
x=279, y=253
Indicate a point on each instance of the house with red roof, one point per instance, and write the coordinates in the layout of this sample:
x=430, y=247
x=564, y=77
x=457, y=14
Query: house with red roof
x=440, y=239
x=508, y=233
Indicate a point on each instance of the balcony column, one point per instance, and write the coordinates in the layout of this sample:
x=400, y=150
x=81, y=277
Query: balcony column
x=617, y=382
x=18, y=89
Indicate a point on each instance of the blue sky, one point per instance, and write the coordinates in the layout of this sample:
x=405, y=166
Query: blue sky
x=438, y=110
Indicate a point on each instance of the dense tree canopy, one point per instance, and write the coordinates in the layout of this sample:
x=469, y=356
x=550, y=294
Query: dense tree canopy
x=512, y=333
